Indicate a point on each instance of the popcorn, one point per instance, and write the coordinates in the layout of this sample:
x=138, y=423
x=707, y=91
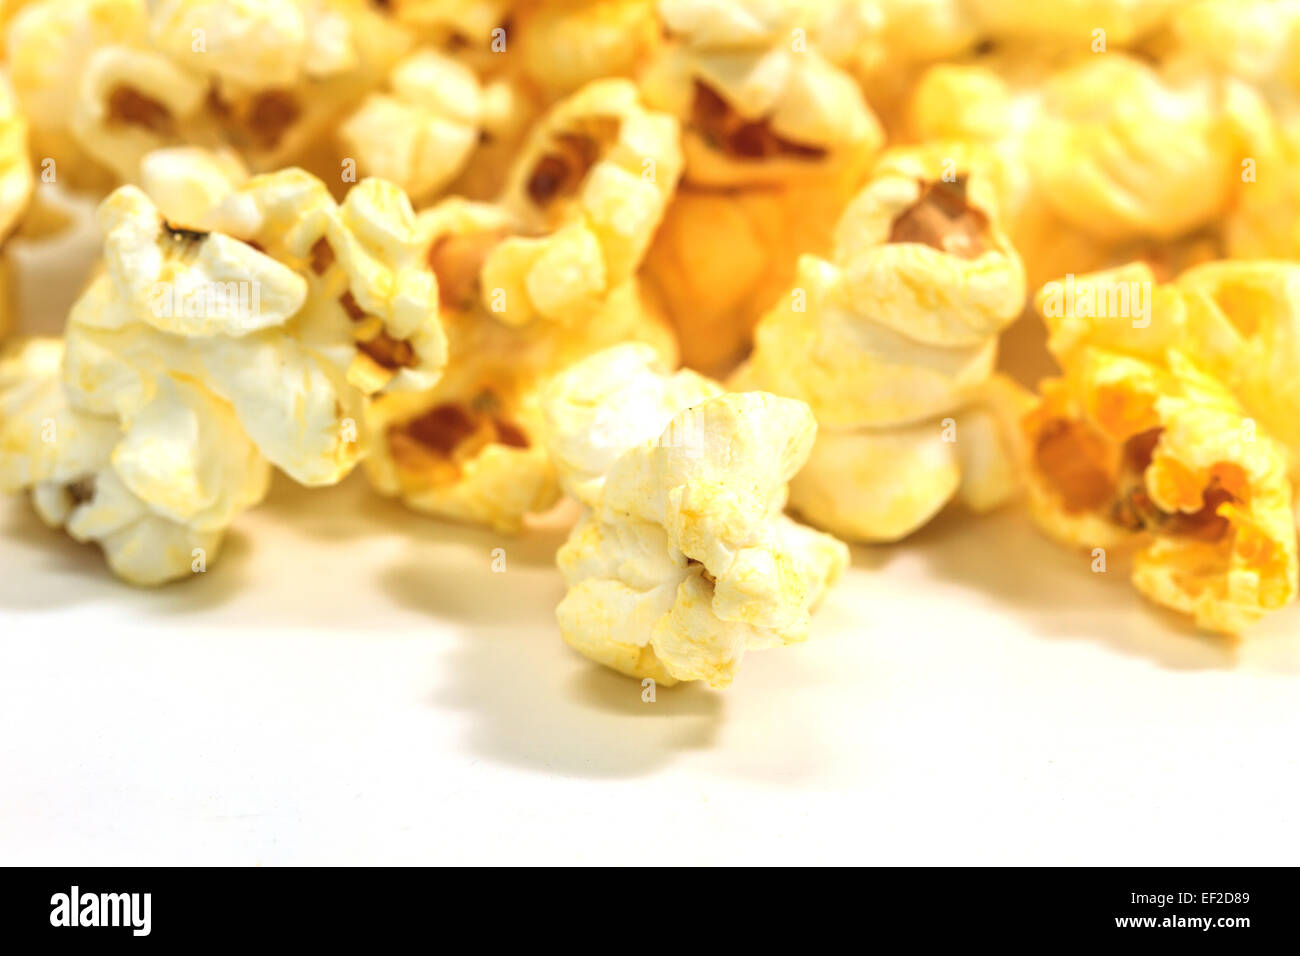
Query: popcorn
x=591, y=184
x=1069, y=204
x=107, y=81
x=16, y=183
x=420, y=135
x=155, y=492
x=564, y=46
x=1122, y=22
x=253, y=333
x=893, y=345
x=1174, y=432
x=1099, y=152
x=682, y=560
x=470, y=448
x=775, y=139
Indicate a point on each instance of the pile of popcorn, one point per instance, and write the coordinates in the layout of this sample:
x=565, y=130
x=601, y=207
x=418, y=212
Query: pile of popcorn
x=711, y=268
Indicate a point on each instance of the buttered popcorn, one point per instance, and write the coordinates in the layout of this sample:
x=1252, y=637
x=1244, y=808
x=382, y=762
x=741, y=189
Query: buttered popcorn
x=104, y=82
x=776, y=139
x=1173, y=432
x=587, y=192
x=15, y=191
x=892, y=344
x=682, y=560
x=470, y=448
x=465, y=243
x=209, y=346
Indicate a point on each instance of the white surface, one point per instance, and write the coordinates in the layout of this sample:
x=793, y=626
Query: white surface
x=351, y=683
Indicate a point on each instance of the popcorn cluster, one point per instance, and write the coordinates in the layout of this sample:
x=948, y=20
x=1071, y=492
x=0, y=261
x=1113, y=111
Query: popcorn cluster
x=467, y=243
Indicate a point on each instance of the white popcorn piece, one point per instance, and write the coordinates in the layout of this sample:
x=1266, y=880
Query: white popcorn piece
x=200, y=353
x=683, y=559
x=893, y=344
x=421, y=133
x=156, y=493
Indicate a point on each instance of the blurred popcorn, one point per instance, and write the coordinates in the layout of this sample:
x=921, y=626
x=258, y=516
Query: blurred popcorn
x=421, y=132
x=107, y=81
x=1173, y=431
x=892, y=345
x=682, y=560
x=15, y=191
x=1085, y=176
x=776, y=139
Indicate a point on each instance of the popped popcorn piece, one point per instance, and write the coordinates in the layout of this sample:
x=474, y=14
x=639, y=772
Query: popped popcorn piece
x=470, y=448
x=1174, y=431
x=892, y=344
x=155, y=492
x=564, y=46
x=199, y=352
x=1099, y=150
x=591, y=184
x=683, y=560
x=1085, y=179
x=1238, y=321
x=776, y=139
x=16, y=184
x=421, y=133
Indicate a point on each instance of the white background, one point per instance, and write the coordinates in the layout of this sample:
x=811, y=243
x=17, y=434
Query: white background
x=353, y=683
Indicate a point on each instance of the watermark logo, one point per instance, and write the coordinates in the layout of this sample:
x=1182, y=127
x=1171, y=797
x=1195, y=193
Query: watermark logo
x=1099, y=299
x=235, y=303
x=75, y=908
x=684, y=434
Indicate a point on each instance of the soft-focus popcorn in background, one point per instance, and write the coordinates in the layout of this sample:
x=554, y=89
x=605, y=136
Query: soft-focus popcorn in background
x=892, y=344
x=106, y=81
x=776, y=140
x=1174, y=431
x=15, y=192
x=682, y=560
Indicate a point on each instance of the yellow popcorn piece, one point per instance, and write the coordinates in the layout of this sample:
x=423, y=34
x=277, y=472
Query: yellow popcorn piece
x=776, y=139
x=590, y=187
x=470, y=448
x=893, y=346
x=564, y=46
x=155, y=492
x=1173, y=431
x=1239, y=321
x=1120, y=22
x=1099, y=150
x=683, y=560
x=1126, y=452
x=16, y=183
x=1083, y=173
